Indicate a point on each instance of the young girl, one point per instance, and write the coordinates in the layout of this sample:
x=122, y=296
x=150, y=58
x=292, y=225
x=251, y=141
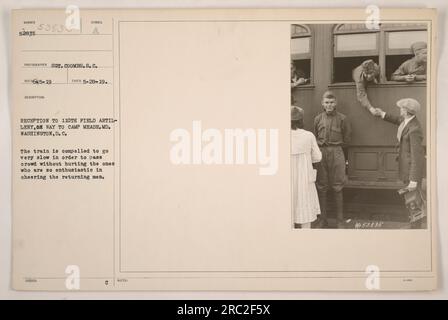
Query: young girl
x=304, y=152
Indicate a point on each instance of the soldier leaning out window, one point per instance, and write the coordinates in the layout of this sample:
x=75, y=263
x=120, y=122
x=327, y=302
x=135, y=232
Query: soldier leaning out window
x=413, y=69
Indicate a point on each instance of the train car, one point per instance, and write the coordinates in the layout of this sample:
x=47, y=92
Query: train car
x=326, y=55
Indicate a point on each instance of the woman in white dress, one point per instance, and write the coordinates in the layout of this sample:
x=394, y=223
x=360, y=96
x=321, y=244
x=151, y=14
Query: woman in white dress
x=304, y=152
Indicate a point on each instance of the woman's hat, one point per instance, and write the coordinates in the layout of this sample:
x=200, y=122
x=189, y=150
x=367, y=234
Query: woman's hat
x=296, y=113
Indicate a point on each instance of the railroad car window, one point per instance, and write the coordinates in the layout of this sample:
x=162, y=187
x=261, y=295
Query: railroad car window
x=344, y=66
x=301, y=46
x=350, y=44
x=398, y=48
x=353, y=44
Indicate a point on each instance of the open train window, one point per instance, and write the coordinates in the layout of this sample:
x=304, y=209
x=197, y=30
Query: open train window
x=301, y=46
x=398, y=48
x=353, y=43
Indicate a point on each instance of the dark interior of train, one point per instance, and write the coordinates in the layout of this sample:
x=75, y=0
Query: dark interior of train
x=341, y=65
x=393, y=62
x=304, y=65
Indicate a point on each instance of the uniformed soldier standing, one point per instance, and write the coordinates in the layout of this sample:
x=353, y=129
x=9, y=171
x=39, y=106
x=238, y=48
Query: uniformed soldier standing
x=413, y=69
x=333, y=131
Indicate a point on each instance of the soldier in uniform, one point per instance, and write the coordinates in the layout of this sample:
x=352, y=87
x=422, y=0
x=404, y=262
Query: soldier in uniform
x=413, y=69
x=366, y=72
x=333, y=131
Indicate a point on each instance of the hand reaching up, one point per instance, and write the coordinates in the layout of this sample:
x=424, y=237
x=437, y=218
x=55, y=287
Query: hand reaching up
x=377, y=112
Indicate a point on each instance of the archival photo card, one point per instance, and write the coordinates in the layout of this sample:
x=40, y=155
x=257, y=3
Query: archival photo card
x=224, y=149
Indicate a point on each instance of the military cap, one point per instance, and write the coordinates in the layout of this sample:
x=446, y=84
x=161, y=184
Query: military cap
x=417, y=46
x=369, y=66
x=411, y=105
x=296, y=113
x=328, y=95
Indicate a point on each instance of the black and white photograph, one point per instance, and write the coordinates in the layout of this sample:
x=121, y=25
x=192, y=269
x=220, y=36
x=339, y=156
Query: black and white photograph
x=358, y=125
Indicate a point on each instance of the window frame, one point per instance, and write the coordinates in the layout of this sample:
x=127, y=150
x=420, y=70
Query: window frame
x=394, y=52
x=355, y=53
x=305, y=56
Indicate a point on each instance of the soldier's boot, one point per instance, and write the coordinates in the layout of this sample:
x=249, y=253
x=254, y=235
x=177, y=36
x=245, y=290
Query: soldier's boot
x=323, y=223
x=339, y=202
